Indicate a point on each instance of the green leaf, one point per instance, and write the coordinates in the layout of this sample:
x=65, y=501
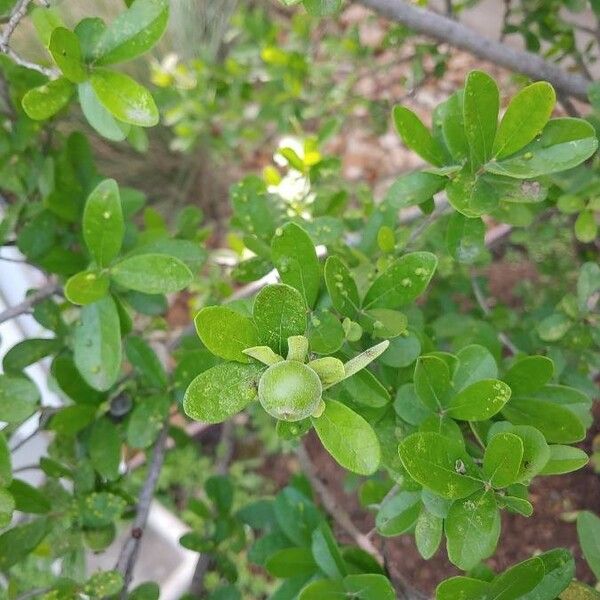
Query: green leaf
x=564, y=459
x=326, y=553
x=220, y=490
x=190, y=253
x=105, y=449
x=45, y=101
x=462, y=588
x=222, y=391
x=398, y=514
x=72, y=419
x=536, y=452
x=124, y=98
x=579, y=591
x=403, y=281
x=586, y=228
x=323, y=589
x=295, y=258
x=7, y=507
x=279, y=312
x=481, y=104
x=99, y=117
x=19, y=398
x=100, y=509
x=133, y=32
x=71, y=383
x=87, y=287
x=588, y=529
x=226, y=332
x=517, y=581
x=146, y=421
x=526, y=115
x=104, y=584
x=363, y=388
x=325, y=333
x=145, y=361
x=322, y=8
x=472, y=195
x=479, y=401
x=529, y=374
x=359, y=362
x=19, y=541
x=413, y=188
x=296, y=515
x=28, y=352
x=557, y=423
x=152, y=273
x=440, y=464
x=348, y=438
x=502, y=459
x=341, y=287
x=5, y=462
x=453, y=126
x=416, y=136
x=97, y=344
x=428, y=533
x=475, y=363
x=563, y=144
x=559, y=570
x=465, y=238
x=432, y=382
x=472, y=529
x=386, y=323
x=29, y=499
x=290, y=562
x=66, y=52
x=369, y=586
x=103, y=226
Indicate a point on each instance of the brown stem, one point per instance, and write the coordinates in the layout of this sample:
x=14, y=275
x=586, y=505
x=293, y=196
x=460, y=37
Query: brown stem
x=30, y=301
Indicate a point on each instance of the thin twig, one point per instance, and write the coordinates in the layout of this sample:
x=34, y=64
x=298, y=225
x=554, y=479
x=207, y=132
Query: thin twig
x=460, y=36
x=23, y=62
x=18, y=12
x=482, y=302
x=33, y=593
x=30, y=301
x=130, y=549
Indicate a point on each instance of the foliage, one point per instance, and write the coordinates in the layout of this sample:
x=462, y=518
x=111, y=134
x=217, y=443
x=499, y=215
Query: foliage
x=445, y=415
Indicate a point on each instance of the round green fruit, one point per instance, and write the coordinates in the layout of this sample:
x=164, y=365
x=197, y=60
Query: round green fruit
x=290, y=391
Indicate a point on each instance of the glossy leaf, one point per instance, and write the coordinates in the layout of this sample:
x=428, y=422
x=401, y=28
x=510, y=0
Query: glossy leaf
x=341, y=287
x=440, y=464
x=326, y=553
x=480, y=105
x=558, y=424
x=432, y=382
x=87, y=287
x=563, y=144
x=133, y=32
x=124, y=98
x=475, y=363
x=222, y=391
x=151, y=273
x=295, y=258
x=5, y=462
x=18, y=398
x=462, y=588
x=279, y=312
x=398, y=513
x=588, y=529
x=479, y=401
x=403, y=281
x=146, y=421
x=413, y=188
x=369, y=586
x=348, y=438
x=98, y=116
x=472, y=529
x=416, y=136
x=529, y=374
x=226, y=333
x=103, y=225
x=97, y=344
x=564, y=459
x=28, y=352
x=453, y=126
x=143, y=358
x=502, y=459
x=465, y=238
x=105, y=448
x=428, y=533
x=526, y=115
x=45, y=101
x=472, y=195
x=66, y=52
x=519, y=580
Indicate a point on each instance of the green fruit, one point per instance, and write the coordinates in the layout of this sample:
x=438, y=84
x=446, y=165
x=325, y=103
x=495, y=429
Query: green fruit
x=290, y=391
x=100, y=538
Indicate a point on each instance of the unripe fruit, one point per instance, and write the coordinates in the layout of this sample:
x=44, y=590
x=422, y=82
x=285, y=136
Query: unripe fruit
x=290, y=391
